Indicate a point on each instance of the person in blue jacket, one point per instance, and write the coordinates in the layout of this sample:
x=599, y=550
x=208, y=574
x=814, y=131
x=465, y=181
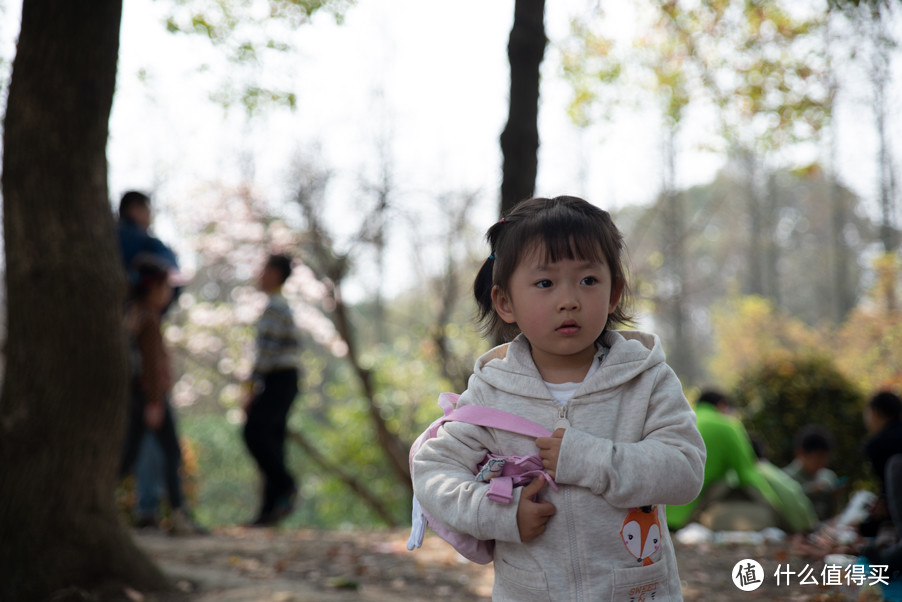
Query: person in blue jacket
x=136, y=241
x=134, y=232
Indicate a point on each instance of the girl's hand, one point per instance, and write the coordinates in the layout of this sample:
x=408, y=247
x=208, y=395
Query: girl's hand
x=533, y=516
x=153, y=415
x=550, y=451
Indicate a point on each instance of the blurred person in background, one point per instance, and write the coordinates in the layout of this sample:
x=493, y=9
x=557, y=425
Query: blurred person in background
x=150, y=412
x=883, y=419
x=271, y=391
x=813, y=447
x=135, y=239
x=735, y=496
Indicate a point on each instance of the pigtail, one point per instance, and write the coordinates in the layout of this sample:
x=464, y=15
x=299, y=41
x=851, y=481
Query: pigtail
x=482, y=290
x=485, y=281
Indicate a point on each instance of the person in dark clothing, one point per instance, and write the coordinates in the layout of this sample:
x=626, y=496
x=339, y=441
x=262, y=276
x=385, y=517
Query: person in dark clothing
x=271, y=391
x=883, y=419
x=890, y=555
x=137, y=246
x=134, y=232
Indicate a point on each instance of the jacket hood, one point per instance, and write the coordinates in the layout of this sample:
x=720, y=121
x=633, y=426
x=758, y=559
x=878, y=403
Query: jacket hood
x=510, y=367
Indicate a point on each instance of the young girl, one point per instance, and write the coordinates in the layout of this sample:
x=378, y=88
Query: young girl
x=624, y=439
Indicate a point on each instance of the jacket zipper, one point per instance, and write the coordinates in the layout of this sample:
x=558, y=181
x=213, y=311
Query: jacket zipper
x=574, y=550
x=562, y=422
x=575, y=571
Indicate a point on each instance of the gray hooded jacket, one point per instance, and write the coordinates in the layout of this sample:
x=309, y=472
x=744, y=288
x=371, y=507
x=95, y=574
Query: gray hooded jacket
x=632, y=447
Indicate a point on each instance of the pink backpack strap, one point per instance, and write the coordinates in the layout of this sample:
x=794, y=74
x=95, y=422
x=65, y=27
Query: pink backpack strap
x=499, y=419
x=448, y=401
x=501, y=490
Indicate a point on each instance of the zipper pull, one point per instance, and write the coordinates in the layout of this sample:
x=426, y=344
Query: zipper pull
x=562, y=422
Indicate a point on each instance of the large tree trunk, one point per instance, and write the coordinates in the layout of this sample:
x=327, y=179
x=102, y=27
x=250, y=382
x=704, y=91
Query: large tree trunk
x=520, y=138
x=63, y=401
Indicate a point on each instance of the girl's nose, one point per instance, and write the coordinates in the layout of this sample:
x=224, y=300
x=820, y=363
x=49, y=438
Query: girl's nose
x=568, y=302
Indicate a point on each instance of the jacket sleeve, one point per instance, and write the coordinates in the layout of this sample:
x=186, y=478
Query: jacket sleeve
x=444, y=483
x=665, y=467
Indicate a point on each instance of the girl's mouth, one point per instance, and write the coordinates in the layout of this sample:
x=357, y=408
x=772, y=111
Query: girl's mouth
x=568, y=328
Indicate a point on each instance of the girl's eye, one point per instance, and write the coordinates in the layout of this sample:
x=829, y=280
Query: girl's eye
x=590, y=280
x=543, y=283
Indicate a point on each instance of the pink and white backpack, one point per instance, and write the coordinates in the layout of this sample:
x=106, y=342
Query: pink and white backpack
x=502, y=473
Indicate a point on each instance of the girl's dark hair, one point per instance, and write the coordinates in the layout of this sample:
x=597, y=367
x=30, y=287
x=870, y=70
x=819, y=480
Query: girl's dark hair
x=147, y=271
x=568, y=228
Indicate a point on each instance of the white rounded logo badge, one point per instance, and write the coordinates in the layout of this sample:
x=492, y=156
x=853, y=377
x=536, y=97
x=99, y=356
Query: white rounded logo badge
x=748, y=575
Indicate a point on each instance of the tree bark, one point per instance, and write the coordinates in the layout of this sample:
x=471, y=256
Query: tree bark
x=395, y=450
x=63, y=402
x=520, y=138
x=843, y=298
x=683, y=362
x=755, y=251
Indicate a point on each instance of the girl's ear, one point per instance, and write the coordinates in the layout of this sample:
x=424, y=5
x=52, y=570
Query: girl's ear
x=501, y=302
x=616, y=291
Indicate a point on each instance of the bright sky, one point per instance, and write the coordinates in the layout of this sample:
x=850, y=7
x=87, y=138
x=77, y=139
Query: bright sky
x=432, y=79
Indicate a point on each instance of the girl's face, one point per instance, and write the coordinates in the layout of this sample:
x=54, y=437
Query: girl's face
x=561, y=308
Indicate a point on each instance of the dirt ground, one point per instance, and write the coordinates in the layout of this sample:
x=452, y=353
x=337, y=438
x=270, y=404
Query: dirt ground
x=266, y=565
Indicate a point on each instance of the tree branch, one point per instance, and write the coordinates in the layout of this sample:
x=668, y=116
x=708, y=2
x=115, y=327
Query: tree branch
x=336, y=471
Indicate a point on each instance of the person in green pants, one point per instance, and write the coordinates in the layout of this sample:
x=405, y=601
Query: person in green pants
x=796, y=509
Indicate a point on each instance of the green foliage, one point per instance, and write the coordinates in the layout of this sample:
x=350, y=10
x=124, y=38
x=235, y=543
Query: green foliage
x=757, y=65
x=254, y=98
x=593, y=65
x=749, y=330
x=871, y=338
x=398, y=358
x=228, y=488
x=333, y=415
x=250, y=34
x=783, y=395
